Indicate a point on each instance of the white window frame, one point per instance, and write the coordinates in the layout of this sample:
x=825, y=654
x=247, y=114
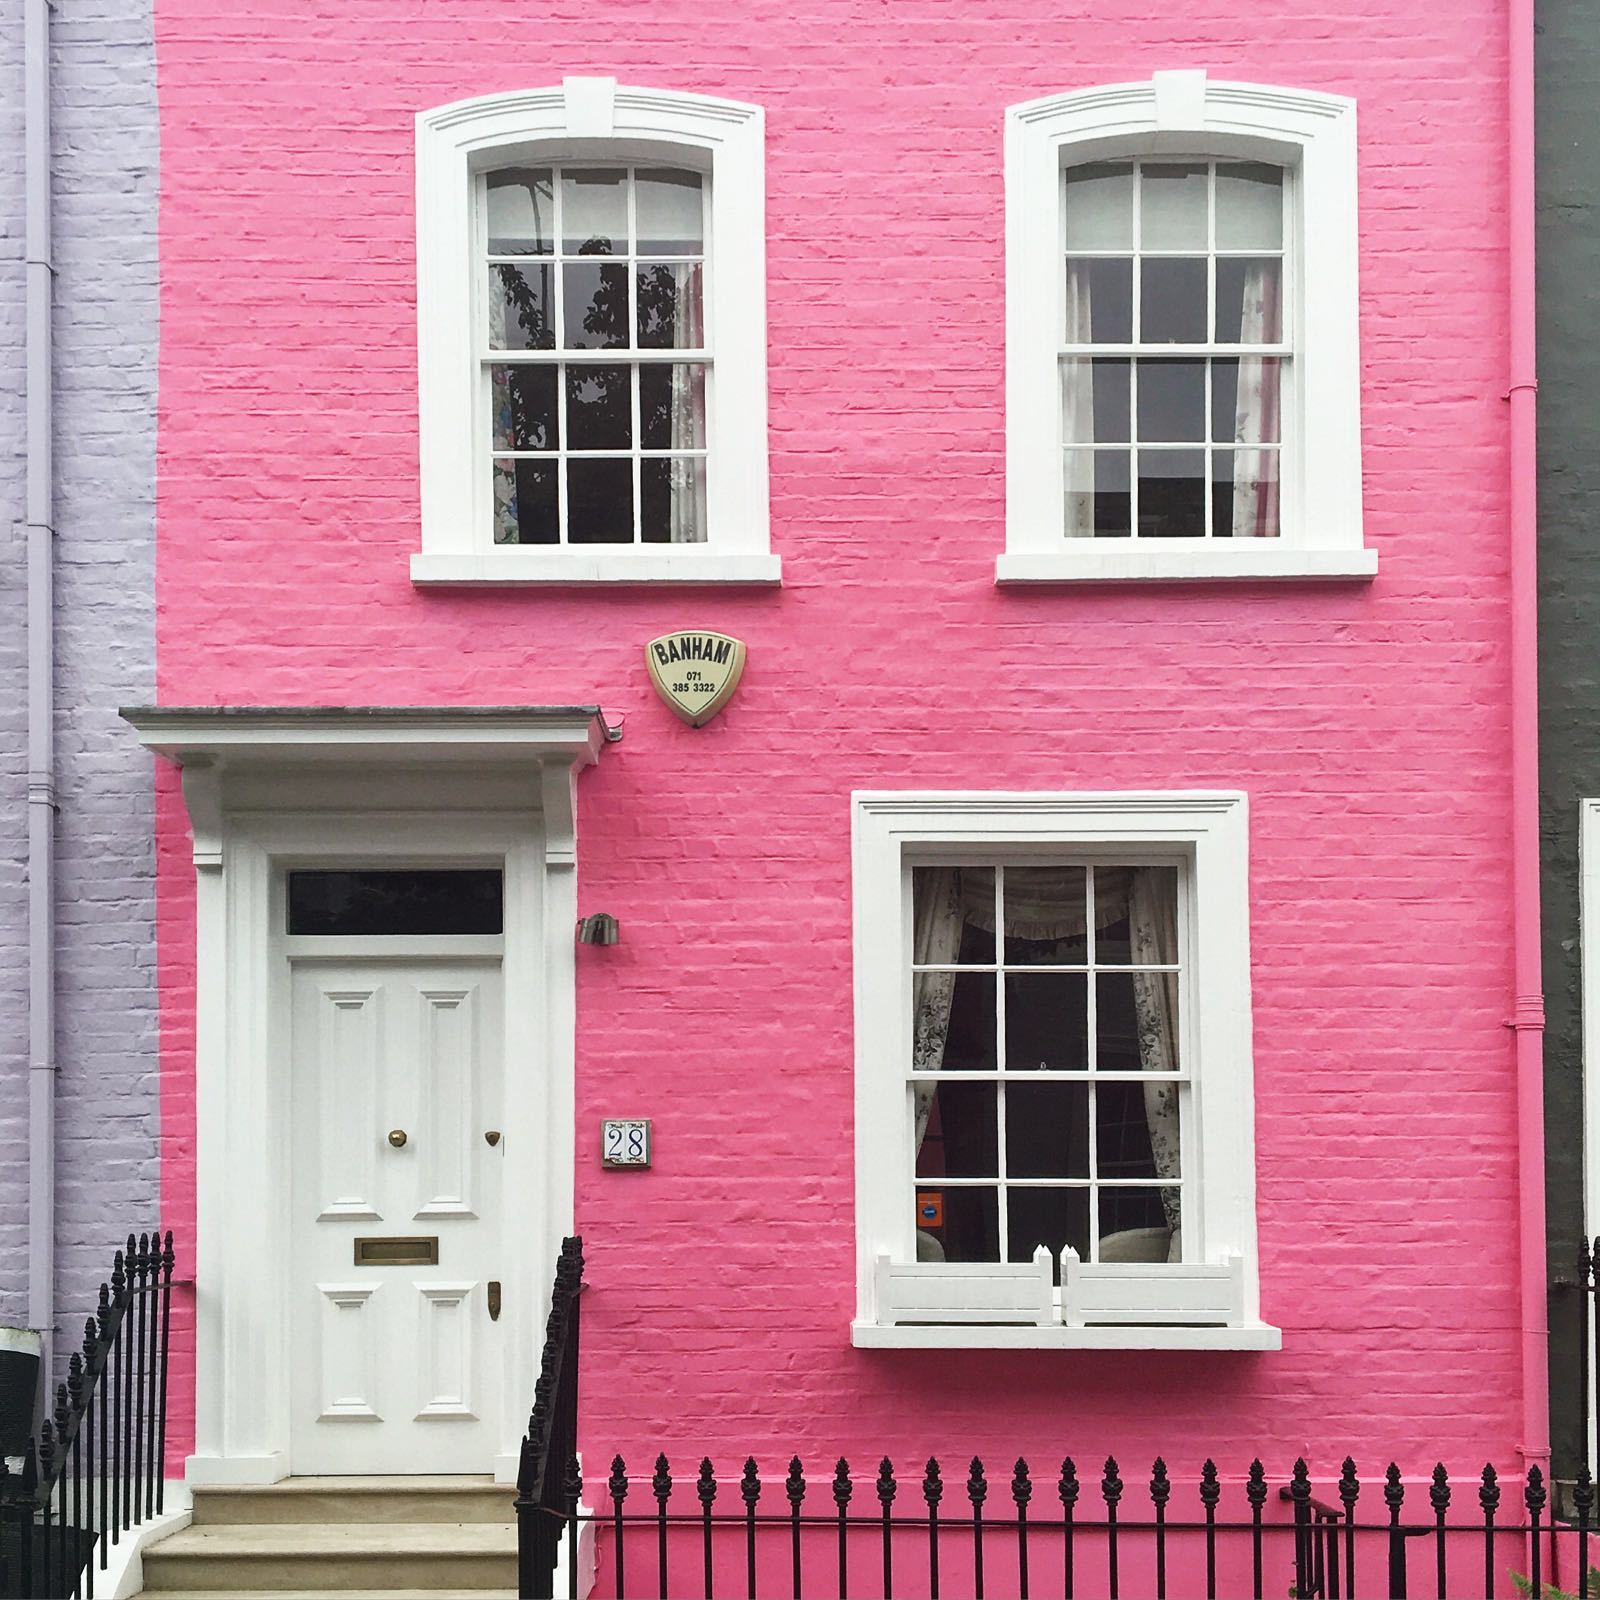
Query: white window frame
x=1312, y=136
x=596, y=120
x=1208, y=831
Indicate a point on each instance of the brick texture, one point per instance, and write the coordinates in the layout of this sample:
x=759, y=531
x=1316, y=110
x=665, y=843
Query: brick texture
x=1368, y=723
x=105, y=140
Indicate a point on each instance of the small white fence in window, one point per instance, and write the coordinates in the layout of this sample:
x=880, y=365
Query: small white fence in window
x=1093, y=1294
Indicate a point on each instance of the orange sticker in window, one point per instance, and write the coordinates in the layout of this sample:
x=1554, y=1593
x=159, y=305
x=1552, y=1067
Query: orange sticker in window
x=930, y=1209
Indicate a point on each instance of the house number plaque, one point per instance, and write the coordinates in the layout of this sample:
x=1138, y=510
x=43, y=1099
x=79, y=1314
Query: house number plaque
x=695, y=672
x=625, y=1142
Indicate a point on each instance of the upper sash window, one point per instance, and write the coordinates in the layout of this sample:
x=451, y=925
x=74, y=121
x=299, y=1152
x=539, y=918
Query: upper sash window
x=1194, y=409
x=582, y=251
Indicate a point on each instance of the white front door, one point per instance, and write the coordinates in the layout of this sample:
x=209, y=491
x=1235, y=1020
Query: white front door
x=396, y=1086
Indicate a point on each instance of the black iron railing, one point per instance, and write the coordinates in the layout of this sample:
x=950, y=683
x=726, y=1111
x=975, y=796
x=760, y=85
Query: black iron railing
x=549, y=1485
x=93, y=1469
x=932, y=1537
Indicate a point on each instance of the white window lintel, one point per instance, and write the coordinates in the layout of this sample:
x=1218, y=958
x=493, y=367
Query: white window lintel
x=592, y=118
x=1185, y=113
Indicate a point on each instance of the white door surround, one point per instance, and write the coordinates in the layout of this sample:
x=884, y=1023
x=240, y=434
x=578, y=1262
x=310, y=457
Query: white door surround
x=377, y=787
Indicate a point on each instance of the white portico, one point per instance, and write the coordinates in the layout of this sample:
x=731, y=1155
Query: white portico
x=384, y=903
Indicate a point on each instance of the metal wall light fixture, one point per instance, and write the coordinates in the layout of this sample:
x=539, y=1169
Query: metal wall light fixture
x=601, y=928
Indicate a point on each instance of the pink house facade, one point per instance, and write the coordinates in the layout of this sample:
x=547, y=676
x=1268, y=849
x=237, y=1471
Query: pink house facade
x=1067, y=982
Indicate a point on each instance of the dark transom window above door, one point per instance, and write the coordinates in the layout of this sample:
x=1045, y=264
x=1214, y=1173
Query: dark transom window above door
x=364, y=902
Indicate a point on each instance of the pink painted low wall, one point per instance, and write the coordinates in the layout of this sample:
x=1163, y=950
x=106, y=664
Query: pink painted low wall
x=1368, y=723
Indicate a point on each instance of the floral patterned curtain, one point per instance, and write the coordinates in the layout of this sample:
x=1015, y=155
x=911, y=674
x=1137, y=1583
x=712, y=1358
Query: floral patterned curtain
x=936, y=939
x=1153, y=922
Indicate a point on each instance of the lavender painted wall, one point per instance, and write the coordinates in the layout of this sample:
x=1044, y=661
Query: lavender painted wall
x=105, y=193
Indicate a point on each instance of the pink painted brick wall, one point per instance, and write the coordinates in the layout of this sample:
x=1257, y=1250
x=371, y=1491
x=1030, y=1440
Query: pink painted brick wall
x=1367, y=723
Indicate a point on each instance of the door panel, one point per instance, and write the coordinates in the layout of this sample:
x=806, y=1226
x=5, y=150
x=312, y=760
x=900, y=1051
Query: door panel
x=396, y=1077
x=448, y=1082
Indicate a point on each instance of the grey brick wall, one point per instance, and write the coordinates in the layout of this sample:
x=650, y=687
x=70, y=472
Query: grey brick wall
x=1569, y=624
x=105, y=179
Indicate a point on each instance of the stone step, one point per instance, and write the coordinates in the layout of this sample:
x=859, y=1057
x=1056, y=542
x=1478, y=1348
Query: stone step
x=365, y=1499
x=331, y=1558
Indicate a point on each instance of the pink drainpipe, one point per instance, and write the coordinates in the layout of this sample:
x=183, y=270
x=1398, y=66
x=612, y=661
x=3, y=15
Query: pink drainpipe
x=1527, y=1019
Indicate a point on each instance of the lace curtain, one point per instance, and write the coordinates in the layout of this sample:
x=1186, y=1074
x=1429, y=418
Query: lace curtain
x=1257, y=410
x=1153, y=922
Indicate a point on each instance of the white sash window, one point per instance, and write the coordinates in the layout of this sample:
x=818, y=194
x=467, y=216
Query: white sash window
x=1182, y=369
x=1054, y=1095
x=591, y=305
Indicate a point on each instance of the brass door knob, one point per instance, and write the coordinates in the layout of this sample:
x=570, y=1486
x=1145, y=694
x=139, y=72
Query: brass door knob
x=397, y=1137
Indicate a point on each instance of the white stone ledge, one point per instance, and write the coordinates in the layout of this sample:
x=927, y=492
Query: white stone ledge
x=876, y=1336
x=1172, y=561
x=523, y=564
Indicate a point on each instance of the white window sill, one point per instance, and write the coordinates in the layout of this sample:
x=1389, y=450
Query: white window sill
x=953, y=1336
x=1135, y=561
x=514, y=564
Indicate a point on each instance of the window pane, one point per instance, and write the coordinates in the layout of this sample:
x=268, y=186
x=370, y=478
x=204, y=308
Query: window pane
x=1097, y=497
x=526, y=502
x=962, y=1138
x=523, y=403
x=594, y=212
x=1047, y=1021
x=520, y=308
x=667, y=213
x=1246, y=400
x=599, y=408
x=971, y=1225
x=671, y=316
x=1249, y=207
x=594, y=312
x=1099, y=305
x=1095, y=401
x=1133, y=1224
x=1047, y=1130
x=970, y=1044
x=1172, y=300
x=1248, y=308
x=1100, y=207
x=1172, y=201
x=1244, y=492
x=600, y=502
x=1130, y=1007
x=672, y=405
x=1044, y=912
x=1113, y=402
x=395, y=902
x=936, y=914
x=1112, y=941
x=1054, y=1218
x=1172, y=402
x=977, y=944
x=520, y=211
x=1122, y=1131
x=1172, y=494
x=1114, y=888
x=672, y=500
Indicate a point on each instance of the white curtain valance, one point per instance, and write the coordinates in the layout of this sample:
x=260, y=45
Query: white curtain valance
x=1045, y=902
